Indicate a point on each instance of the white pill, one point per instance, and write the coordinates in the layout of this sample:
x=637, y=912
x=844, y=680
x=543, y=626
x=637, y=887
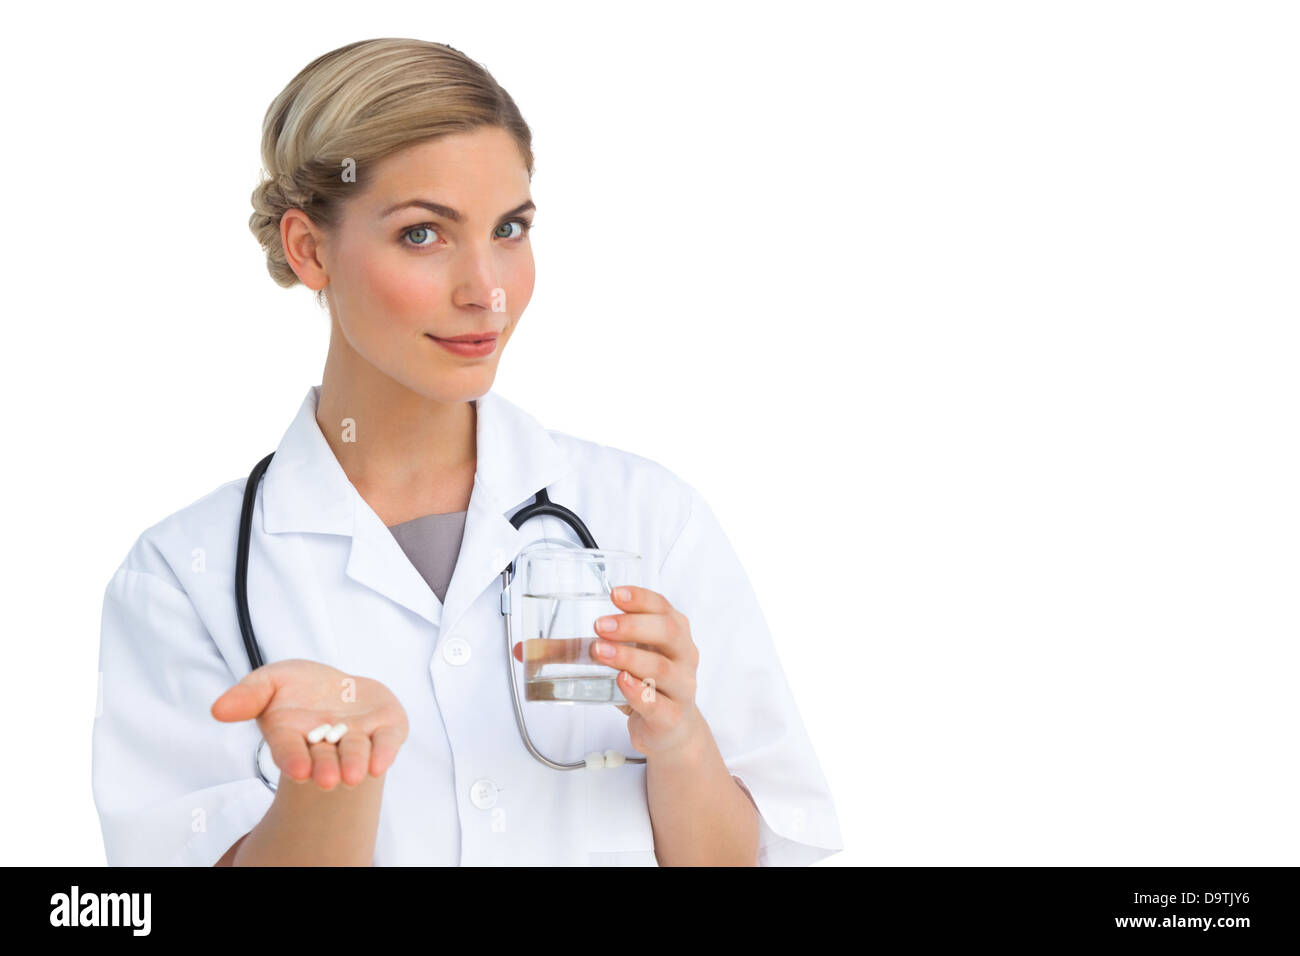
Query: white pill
x=615, y=758
x=335, y=732
x=595, y=760
x=317, y=735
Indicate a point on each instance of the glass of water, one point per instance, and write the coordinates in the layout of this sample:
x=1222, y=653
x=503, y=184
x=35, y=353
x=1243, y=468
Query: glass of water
x=562, y=591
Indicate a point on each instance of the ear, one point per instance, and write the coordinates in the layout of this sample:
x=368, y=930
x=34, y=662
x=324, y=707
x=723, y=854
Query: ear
x=298, y=238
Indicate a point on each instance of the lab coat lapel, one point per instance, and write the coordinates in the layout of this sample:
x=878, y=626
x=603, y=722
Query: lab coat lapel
x=378, y=561
x=306, y=490
x=516, y=458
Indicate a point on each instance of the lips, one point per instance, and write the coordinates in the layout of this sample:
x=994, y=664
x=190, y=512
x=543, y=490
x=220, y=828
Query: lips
x=472, y=346
x=471, y=337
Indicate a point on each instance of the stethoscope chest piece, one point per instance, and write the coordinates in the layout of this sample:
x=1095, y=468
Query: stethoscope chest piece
x=265, y=767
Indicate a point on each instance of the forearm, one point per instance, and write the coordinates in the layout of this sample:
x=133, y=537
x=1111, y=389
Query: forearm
x=699, y=813
x=307, y=826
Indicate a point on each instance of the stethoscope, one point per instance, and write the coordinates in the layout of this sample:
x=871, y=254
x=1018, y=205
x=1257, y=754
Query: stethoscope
x=541, y=506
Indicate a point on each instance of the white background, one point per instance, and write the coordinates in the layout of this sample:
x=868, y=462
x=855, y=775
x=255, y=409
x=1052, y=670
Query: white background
x=976, y=324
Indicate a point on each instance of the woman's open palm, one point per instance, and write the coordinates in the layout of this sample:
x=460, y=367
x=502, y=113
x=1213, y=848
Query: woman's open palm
x=291, y=698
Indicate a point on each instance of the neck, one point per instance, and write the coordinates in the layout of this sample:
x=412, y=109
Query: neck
x=403, y=445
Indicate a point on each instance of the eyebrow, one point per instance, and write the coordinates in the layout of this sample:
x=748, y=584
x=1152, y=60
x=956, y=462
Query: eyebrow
x=438, y=209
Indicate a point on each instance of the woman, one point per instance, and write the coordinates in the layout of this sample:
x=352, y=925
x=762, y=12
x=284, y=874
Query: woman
x=398, y=189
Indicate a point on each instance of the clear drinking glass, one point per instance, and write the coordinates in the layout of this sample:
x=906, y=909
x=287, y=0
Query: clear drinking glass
x=562, y=593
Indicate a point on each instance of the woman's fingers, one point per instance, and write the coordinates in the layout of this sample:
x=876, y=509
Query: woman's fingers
x=325, y=764
x=648, y=619
x=641, y=695
x=347, y=760
x=384, y=744
x=354, y=757
x=655, y=674
x=247, y=699
x=290, y=753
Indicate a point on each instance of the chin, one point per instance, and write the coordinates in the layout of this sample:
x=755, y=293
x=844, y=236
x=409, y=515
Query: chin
x=450, y=387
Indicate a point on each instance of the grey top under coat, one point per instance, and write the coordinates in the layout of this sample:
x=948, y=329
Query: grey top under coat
x=432, y=543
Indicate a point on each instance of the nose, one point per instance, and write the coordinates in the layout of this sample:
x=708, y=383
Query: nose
x=478, y=280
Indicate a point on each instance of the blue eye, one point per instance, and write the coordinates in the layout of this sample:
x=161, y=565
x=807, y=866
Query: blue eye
x=523, y=224
x=416, y=236
x=426, y=228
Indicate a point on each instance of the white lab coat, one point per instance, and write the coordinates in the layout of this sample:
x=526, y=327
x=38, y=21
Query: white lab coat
x=329, y=582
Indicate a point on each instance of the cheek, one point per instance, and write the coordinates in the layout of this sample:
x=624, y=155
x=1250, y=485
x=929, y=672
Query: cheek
x=399, y=295
x=519, y=285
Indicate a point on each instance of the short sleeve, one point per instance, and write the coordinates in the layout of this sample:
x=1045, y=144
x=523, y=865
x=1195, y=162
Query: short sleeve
x=742, y=693
x=173, y=785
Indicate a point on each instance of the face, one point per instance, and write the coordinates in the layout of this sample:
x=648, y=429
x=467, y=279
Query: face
x=436, y=246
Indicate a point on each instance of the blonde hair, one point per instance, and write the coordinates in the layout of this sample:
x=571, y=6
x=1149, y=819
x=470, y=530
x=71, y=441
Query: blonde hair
x=355, y=106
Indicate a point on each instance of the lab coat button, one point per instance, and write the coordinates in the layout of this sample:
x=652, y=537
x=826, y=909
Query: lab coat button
x=456, y=651
x=483, y=794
